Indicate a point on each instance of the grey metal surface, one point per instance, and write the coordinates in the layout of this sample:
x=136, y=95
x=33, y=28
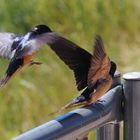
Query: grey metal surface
x=110, y=131
x=79, y=121
x=132, y=106
x=132, y=76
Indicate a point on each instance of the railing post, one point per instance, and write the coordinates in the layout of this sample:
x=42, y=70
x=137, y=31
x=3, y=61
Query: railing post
x=110, y=131
x=131, y=106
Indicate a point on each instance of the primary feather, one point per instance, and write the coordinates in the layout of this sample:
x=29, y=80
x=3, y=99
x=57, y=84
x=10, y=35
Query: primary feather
x=100, y=63
x=75, y=57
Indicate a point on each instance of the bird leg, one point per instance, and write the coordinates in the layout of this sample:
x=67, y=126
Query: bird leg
x=35, y=63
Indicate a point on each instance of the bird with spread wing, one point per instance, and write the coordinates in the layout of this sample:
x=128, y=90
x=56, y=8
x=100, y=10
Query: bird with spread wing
x=93, y=73
x=21, y=49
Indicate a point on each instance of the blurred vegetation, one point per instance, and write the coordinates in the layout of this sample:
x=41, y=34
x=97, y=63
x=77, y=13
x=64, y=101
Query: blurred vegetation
x=31, y=95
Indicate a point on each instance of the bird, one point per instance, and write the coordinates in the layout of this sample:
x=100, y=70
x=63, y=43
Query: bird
x=93, y=73
x=20, y=50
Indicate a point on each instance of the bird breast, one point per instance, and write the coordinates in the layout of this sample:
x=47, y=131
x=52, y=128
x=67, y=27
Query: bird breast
x=33, y=46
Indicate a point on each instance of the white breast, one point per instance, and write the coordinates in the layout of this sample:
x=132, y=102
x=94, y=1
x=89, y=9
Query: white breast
x=34, y=45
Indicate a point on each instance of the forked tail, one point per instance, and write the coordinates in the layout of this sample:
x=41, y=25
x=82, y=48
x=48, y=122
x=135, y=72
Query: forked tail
x=80, y=100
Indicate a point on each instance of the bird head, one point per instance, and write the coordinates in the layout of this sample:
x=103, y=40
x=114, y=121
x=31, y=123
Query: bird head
x=41, y=29
x=113, y=68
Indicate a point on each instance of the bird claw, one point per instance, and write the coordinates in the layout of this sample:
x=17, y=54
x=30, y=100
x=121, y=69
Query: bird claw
x=35, y=63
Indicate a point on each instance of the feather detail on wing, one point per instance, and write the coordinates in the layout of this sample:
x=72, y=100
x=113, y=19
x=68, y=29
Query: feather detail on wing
x=101, y=89
x=100, y=64
x=6, y=41
x=75, y=57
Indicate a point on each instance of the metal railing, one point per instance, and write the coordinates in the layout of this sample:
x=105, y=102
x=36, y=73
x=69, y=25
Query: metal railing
x=105, y=116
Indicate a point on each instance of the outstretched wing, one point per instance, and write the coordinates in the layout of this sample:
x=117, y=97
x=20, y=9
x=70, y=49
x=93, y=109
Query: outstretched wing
x=100, y=64
x=75, y=57
x=6, y=41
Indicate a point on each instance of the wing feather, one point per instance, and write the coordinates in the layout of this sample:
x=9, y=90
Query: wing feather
x=75, y=57
x=6, y=41
x=100, y=64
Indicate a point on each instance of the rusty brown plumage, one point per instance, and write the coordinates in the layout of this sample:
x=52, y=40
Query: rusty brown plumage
x=92, y=72
x=100, y=64
x=101, y=89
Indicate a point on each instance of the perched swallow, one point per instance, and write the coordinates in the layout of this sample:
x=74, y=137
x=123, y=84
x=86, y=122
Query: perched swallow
x=93, y=73
x=21, y=49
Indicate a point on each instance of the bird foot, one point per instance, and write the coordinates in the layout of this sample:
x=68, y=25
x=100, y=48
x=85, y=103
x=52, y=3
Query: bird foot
x=35, y=63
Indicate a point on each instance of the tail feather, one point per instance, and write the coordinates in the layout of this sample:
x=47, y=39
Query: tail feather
x=4, y=80
x=58, y=111
x=80, y=100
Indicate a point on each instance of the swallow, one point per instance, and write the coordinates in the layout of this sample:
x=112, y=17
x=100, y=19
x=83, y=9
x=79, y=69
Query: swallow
x=93, y=73
x=20, y=50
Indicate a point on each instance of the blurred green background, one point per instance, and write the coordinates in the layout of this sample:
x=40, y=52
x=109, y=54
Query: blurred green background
x=32, y=94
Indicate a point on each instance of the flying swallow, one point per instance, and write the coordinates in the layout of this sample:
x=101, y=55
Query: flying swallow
x=93, y=73
x=21, y=49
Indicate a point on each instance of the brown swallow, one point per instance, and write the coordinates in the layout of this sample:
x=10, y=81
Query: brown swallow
x=93, y=73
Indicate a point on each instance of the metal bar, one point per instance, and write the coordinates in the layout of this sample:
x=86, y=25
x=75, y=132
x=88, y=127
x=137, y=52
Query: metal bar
x=132, y=106
x=110, y=131
x=80, y=121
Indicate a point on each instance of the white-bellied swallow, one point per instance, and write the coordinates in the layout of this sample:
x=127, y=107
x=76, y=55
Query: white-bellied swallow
x=21, y=49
